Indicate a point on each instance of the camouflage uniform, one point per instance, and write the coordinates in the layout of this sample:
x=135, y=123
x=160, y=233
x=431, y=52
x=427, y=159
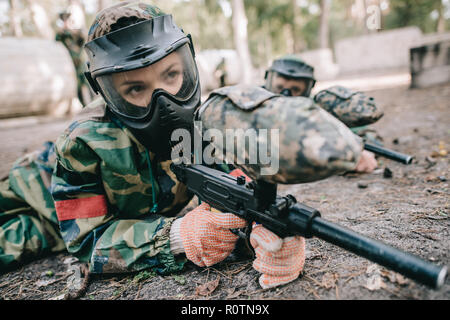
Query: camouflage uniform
x=312, y=144
x=354, y=108
x=109, y=203
x=102, y=191
x=28, y=222
x=115, y=203
x=105, y=186
x=74, y=41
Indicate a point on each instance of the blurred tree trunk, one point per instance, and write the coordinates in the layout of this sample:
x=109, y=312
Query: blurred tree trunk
x=287, y=34
x=296, y=25
x=77, y=19
x=440, y=28
x=100, y=5
x=359, y=9
x=239, y=22
x=16, y=28
x=40, y=20
x=324, y=25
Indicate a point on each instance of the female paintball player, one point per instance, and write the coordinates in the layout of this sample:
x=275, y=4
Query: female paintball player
x=111, y=199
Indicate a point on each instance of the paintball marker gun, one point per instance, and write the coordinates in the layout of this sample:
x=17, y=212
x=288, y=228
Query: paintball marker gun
x=388, y=153
x=257, y=201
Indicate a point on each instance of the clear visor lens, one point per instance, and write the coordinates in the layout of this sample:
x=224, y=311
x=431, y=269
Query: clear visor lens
x=130, y=92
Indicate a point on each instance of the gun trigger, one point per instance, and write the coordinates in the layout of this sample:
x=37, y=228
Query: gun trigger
x=239, y=233
x=247, y=239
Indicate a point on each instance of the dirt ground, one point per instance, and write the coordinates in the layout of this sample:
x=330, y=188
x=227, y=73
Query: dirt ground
x=409, y=211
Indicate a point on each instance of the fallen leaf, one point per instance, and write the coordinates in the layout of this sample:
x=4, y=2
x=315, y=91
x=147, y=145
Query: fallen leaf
x=373, y=268
x=434, y=154
x=43, y=283
x=375, y=281
x=180, y=279
x=394, y=277
x=207, y=288
x=388, y=275
x=70, y=260
x=401, y=280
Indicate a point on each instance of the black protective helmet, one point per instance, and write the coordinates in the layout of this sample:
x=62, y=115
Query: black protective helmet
x=290, y=67
x=117, y=55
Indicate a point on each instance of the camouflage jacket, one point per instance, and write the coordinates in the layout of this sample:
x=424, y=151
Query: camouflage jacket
x=102, y=188
x=354, y=108
x=308, y=143
x=74, y=42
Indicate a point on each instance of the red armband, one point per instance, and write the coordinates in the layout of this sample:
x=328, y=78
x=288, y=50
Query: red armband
x=81, y=208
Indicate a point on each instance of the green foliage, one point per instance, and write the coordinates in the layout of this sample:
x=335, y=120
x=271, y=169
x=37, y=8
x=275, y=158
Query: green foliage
x=143, y=275
x=179, y=279
x=412, y=13
x=275, y=27
x=203, y=19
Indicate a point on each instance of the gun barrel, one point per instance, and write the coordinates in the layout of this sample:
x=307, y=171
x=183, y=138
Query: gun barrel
x=404, y=263
x=390, y=154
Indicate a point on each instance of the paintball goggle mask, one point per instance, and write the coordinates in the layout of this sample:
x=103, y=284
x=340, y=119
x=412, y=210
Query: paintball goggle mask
x=290, y=77
x=148, y=77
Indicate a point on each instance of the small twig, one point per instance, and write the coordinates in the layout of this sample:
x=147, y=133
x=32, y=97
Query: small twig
x=57, y=280
x=20, y=291
x=4, y=284
x=13, y=287
x=80, y=292
x=232, y=272
x=314, y=280
x=138, y=292
x=312, y=291
x=426, y=236
x=351, y=276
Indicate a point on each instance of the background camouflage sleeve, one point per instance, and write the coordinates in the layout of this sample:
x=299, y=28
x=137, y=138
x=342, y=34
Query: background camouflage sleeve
x=93, y=228
x=354, y=108
x=312, y=144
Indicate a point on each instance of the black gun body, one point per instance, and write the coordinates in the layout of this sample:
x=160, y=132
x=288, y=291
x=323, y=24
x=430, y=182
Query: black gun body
x=221, y=191
x=388, y=153
x=286, y=218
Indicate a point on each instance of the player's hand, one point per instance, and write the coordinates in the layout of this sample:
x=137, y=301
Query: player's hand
x=367, y=163
x=279, y=260
x=206, y=235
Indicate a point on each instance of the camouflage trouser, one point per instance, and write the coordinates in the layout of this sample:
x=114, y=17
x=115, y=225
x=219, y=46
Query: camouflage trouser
x=28, y=225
